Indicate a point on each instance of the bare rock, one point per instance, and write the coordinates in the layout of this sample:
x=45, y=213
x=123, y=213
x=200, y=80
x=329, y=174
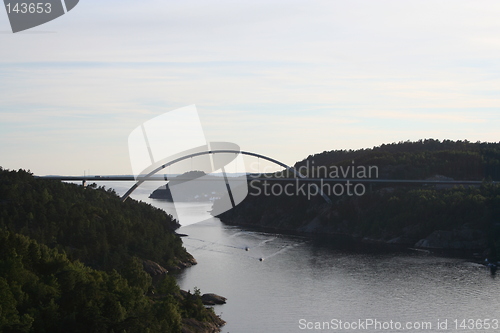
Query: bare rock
x=153, y=268
x=212, y=299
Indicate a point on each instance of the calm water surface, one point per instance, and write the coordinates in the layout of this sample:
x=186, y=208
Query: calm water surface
x=300, y=279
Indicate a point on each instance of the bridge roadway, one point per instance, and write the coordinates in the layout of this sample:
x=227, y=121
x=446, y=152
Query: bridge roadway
x=264, y=178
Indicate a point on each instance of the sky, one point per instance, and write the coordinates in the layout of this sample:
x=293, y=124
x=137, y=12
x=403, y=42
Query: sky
x=285, y=79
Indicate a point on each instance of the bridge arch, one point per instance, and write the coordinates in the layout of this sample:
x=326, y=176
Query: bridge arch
x=141, y=180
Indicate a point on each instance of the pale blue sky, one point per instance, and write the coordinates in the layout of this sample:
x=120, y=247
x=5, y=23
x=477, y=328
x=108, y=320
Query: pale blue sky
x=281, y=78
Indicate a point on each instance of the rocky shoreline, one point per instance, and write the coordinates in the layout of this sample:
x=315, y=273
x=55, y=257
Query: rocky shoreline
x=469, y=243
x=190, y=325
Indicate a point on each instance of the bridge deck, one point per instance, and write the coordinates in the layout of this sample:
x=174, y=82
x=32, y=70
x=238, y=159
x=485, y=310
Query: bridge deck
x=263, y=178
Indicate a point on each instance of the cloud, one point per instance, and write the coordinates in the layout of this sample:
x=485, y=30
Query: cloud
x=286, y=79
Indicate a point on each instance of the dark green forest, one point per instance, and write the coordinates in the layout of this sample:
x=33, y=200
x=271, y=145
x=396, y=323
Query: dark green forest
x=462, y=219
x=399, y=216
x=71, y=261
x=91, y=225
x=460, y=160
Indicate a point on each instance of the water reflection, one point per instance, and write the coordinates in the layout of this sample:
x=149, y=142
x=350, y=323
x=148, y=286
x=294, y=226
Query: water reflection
x=320, y=281
x=301, y=278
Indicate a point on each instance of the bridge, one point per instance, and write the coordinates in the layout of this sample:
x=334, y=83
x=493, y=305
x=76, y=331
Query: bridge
x=254, y=177
x=152, y=176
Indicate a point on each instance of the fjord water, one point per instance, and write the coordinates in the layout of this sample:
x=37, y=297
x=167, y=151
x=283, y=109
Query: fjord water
x=301, y=279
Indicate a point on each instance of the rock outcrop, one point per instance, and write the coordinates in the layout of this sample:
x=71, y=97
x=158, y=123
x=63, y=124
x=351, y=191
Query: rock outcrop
x=153, y=268
x=213, y=299
x=207, y=299
x=191, y=325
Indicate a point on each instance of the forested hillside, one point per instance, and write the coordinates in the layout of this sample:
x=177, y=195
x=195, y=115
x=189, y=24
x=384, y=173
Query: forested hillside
x=91, y=225
x=71, y=260
x=461, y=160
x=461, y=219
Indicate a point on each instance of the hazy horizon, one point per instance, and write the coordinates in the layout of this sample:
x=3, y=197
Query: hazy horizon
x=283, y=79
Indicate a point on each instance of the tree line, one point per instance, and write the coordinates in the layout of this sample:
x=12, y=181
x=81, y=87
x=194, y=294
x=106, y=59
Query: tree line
x=71, y=261
x=460, y=160
x=395, y=213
